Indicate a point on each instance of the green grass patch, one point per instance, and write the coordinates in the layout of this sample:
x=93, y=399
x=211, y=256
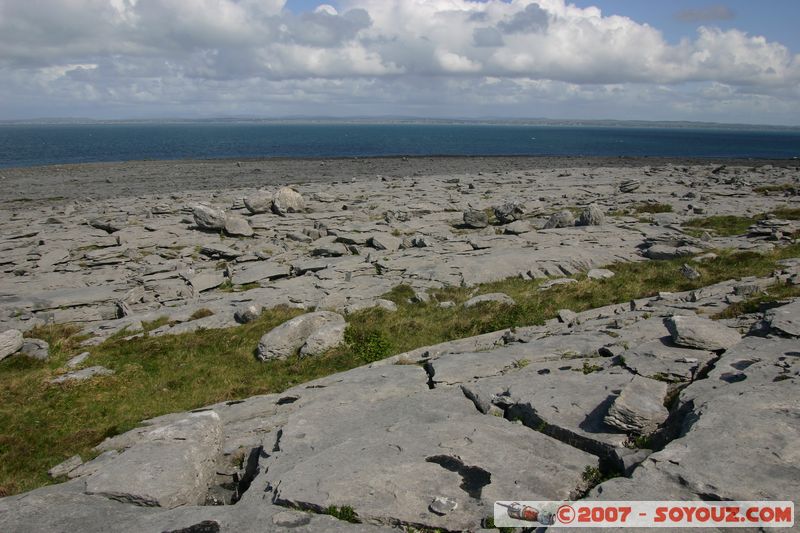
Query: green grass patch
x=44, y=424
x=787, y=213
x=730, y=225
x=783, y=188
x=723, y=225
x=201, y=313
x=754, y=303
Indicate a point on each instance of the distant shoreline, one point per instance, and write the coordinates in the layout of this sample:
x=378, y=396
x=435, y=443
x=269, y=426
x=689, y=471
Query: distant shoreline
x=388, y=121
x=63, y=182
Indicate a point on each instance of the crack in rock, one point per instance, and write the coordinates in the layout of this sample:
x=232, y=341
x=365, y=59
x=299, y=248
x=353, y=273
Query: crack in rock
x=473, y=478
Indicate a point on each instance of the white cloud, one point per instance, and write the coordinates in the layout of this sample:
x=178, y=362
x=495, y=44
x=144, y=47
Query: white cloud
x=385, y=52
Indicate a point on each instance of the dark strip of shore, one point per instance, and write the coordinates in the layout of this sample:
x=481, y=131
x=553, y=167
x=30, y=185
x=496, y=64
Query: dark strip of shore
x=136, y=178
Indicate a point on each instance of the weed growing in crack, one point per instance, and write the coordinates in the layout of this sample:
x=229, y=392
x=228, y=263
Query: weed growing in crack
x=344, y=513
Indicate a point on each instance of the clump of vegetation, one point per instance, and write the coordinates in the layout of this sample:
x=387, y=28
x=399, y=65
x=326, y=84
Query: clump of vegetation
x=201, y=313
x=753, y=304
x=723, y=225
x=345, y=513
x=149, y=326
x=367, y=346
x=781, y=189
x=730, y=225
x=589, y=368
x=652, y=208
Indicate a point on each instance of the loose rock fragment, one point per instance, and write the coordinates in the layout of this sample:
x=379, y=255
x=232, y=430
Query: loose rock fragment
x=10, y=343
x=701, y=333
x=640, y=407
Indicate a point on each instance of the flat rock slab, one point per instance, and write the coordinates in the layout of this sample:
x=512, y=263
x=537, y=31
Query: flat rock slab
x=785, y=320
x=171, y=466
x=495, y=297
x=83, y=374
x=390, y=459
x=259, y=271
x=661, y=359
x=701, y=333
x=561, y=400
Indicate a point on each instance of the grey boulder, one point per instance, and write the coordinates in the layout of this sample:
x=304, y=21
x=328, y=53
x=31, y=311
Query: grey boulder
x=592, y=216
x=247, y=313
x=172, y=465
x=508, y=212
x=701, y=333
x=562, y=219
x=260, y=202
x=237, y=226
x=475, y=219
x=208, y=218
x=10, y=343
x=287, y=200
x=290, y=336
x=324, y=339
x=35, y=349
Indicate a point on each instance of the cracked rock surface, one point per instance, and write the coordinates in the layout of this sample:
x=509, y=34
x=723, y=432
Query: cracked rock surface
x=431, y=438
x=682, y=407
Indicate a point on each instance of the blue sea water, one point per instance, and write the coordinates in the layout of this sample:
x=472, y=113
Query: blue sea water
x=27, y=145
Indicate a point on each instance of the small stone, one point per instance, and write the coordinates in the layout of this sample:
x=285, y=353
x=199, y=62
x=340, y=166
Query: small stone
x=237, y=226
x=82, y=375
x=35, y=349
x=567, y=316
x=475, y=219
x=78, y=360
x=555, y=282
x=62, y=469
x=689, y=273
x=496, y=297
x=592, y=216
x=247, y=313
x=442, y=505
x=599, y=273
x=640, y=407
x=562, y=219
x=517, y=227
x=508, y=212
x=384, y=241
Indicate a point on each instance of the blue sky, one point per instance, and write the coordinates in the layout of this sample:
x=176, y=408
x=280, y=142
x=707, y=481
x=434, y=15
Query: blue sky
x=730, y=61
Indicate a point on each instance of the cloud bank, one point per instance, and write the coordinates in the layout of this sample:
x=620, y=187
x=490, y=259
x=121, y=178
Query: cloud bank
x=445, y=57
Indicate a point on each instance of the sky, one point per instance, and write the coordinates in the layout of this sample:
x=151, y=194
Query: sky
x=736, y=61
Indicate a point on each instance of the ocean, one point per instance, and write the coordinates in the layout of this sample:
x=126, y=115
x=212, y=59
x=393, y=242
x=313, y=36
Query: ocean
x=28, y=145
